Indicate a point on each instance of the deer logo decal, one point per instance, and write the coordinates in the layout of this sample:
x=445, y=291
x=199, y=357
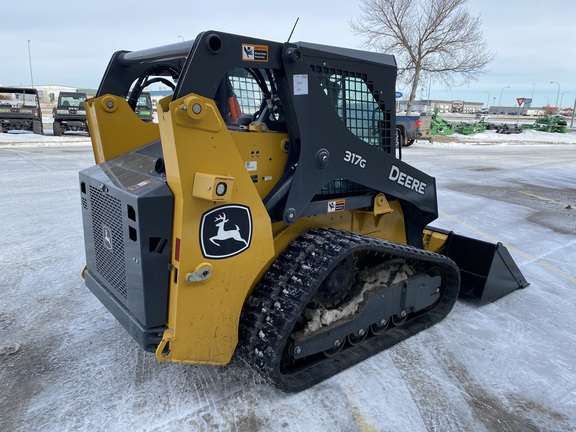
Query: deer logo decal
x=225, y=231
x=107, y=237
x=226, y=234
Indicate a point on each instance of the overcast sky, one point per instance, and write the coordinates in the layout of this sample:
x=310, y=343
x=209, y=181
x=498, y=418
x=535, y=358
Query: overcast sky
x=72, y=42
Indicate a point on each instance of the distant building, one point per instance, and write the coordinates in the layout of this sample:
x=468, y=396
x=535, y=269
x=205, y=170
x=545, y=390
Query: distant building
x=49, y=93
x=156, y=95
x=523, y=110
x=459, y=106
x=428, y=105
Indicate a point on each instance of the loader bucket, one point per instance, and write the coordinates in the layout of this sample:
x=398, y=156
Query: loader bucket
x=487, y=270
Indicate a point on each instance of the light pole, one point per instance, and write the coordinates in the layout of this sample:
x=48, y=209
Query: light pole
x=562, y=97
x=500, y=100
x=557, y=94
x=181, y=37
x=487, y=100
x=533, y=85
x=30, y=61
x=429, y=86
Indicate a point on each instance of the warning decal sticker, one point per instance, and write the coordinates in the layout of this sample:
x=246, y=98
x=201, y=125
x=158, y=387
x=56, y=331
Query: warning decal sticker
x=139, y=185
x=336, y=206
x=258, y=53
x=300, y=84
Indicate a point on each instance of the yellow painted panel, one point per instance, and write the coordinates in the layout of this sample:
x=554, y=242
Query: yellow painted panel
x=264, y=156
x=434, y=241
x=115, y=129
x=203, y=316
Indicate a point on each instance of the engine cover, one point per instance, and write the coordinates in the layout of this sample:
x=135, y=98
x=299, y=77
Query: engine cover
x=127, y=217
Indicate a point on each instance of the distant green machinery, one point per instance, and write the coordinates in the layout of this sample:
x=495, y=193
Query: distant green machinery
x=548, y=124
x=472, y=128
x=439, y=126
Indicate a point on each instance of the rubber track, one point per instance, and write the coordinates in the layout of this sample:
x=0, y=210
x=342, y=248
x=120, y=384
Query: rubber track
x=271, y=312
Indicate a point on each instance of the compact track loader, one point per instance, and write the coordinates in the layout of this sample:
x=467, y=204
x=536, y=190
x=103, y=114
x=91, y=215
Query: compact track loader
x=268, y=213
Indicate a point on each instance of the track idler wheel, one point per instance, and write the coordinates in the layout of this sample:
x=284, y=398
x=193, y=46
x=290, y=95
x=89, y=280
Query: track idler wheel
x=338, y=345
x=359, y=338
x=337, y=286
x=399, y=320
x=378, y=329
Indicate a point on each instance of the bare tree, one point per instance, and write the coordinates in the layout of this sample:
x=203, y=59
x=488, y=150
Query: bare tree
x=429, y=38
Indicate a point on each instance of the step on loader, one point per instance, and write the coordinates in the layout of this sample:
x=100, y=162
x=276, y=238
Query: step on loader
x=268, y=214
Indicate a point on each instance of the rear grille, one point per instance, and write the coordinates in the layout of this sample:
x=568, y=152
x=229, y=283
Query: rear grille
x=108, y=239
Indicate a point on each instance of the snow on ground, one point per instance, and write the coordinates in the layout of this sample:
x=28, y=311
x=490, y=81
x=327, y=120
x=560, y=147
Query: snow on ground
x=490, y=137
x=25, y=139
x=66, y=363
x=16, y=139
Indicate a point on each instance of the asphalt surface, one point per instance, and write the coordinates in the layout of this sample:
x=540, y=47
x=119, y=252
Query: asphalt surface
x=66, y=364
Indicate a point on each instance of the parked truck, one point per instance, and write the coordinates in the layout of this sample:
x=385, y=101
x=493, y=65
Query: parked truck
x=20, y=110
x=412, y=128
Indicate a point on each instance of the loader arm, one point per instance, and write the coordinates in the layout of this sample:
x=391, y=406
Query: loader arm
x=323, y=148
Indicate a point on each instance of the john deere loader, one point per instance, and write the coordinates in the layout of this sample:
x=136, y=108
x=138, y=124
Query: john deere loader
x=267, y=214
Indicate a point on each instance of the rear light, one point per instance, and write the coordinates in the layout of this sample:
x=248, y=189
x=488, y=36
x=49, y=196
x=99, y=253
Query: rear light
x=418, y=124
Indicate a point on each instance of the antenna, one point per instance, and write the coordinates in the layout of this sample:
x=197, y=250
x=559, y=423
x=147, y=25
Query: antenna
x=289, y=37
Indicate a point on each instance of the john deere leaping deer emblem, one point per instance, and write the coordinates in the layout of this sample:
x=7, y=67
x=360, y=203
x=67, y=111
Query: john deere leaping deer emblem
x=225, y=231
x=226, y=234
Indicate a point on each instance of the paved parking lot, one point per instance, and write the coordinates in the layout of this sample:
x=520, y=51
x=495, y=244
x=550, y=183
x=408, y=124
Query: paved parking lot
x=66, y=364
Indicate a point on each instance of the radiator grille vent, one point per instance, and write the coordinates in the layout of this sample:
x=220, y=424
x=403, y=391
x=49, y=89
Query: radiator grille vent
x=108, y=239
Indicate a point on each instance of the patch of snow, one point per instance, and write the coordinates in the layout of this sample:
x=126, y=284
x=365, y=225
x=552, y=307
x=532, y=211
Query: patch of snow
x=490, y=137
x=370, y=279
x=26, y=139
x=10, y=349
x=507, y=365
